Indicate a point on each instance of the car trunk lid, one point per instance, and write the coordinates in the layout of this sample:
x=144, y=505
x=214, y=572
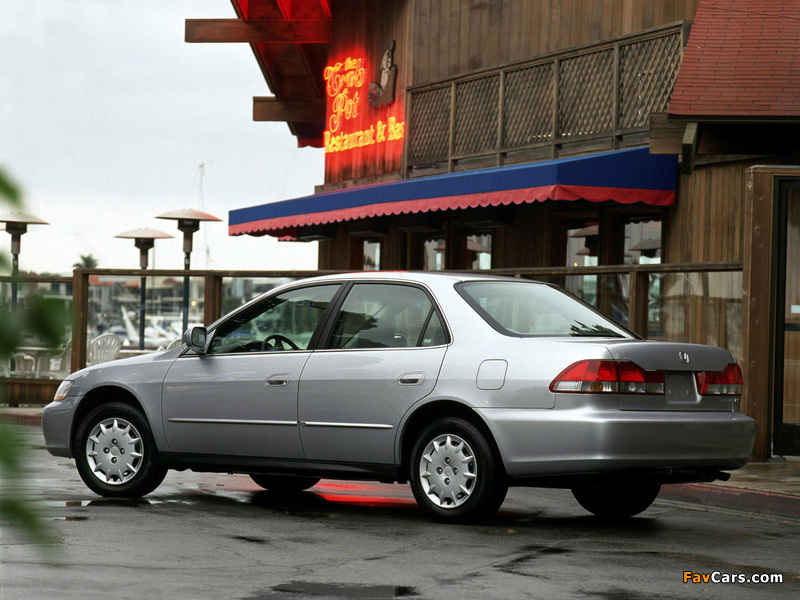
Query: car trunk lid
x=680, y=363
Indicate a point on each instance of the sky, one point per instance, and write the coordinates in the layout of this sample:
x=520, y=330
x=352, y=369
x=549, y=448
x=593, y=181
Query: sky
x=106, y=115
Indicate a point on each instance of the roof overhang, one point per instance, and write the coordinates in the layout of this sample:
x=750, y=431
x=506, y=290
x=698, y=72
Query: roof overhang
x=624, y=176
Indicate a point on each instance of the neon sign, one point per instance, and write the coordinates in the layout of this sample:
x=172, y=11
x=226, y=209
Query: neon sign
x=344, y=84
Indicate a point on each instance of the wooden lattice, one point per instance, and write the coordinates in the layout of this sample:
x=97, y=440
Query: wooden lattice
x=586, y=94
x=477, y=105
x=648, y=71
x=588, y=105
x=528, y=106
x=429, y=128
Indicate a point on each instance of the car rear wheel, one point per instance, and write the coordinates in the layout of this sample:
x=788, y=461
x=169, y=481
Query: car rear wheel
x=115, y=452
x=616, y=501
x=456, y=474
x=284, y=484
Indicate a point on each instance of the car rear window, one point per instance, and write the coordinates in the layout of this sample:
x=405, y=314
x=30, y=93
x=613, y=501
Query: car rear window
x=533, y=309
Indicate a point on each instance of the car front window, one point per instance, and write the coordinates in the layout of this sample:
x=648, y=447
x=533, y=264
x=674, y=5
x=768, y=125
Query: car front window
x=532, y=309
x=286, y=321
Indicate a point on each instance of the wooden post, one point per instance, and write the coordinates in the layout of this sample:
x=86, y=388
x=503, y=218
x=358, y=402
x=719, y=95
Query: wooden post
x=452, y=142
x=638, y=302
x=757, y=301
x=80, y=318
x=212, y=304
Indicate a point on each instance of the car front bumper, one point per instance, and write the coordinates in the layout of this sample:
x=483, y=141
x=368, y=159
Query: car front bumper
x=57, y=426
x=541, y=443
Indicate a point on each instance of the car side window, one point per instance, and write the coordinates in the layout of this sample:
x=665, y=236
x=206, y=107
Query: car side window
x=286, y=321
x=377, y=315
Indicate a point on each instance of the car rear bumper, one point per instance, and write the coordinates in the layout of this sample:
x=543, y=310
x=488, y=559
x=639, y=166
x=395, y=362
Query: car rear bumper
x=540, y=443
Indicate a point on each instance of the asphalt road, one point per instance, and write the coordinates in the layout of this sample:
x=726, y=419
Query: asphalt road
x=217, y=536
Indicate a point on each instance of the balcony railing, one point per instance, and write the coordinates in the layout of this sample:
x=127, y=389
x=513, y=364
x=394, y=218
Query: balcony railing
x=694, y=302
x=594, y=97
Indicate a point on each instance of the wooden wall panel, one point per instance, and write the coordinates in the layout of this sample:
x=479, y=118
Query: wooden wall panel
x=453, y=37
x=707, y=222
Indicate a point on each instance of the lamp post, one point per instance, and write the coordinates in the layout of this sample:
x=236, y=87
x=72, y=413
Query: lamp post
x=144, y=239
x=16, y=224
x=188, y=222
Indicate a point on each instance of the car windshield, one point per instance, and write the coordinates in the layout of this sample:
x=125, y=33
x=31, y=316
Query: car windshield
x=532, y=309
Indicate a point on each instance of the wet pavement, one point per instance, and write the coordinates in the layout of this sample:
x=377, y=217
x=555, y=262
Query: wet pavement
x=205, y=535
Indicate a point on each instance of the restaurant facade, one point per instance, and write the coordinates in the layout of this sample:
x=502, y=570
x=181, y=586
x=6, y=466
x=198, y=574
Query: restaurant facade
x=641, y=154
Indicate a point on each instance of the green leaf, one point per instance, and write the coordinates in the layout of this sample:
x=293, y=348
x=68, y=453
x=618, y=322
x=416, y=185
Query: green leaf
x=10, y=331
x=46, y=318
x=9, y=189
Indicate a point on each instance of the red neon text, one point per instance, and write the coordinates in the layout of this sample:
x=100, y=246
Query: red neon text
x=343, y=81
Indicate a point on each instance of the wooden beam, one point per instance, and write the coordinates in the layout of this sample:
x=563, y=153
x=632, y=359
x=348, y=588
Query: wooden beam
x=258, y=32
x=269, y=108
x=691, y=140
x=665, y=135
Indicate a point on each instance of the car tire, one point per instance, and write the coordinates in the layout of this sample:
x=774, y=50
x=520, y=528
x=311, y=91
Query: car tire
x=116, y=454
x=284, y=484
x=616, y=501
x=456, y=473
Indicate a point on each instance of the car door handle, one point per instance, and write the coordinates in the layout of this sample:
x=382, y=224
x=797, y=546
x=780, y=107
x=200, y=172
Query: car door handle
x=411, y=378
x=279, y=379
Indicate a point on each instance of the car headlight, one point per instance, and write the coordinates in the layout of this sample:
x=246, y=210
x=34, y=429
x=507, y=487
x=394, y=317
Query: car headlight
x=62, y=390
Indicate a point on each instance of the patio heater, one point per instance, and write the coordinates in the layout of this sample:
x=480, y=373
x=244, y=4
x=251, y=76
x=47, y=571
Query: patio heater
x=16, y=224
x=144, y=239
x=188, y=223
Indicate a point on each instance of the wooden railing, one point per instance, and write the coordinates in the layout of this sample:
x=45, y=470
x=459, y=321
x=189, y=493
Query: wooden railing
x=637, y=298
x=594, y=97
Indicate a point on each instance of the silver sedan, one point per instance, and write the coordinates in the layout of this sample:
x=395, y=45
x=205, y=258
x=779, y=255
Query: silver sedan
x=461, y=385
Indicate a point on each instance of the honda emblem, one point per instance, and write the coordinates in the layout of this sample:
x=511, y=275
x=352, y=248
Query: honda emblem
x=684, y=357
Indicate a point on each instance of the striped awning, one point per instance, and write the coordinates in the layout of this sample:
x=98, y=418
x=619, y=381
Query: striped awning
x=624, y=176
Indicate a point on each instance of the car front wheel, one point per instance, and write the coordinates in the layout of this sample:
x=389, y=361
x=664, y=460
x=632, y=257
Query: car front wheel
x=116, y=454
x=456, y=474
x=616, y=501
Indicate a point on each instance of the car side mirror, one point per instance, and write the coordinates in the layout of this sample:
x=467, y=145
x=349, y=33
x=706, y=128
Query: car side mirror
x=195, y=338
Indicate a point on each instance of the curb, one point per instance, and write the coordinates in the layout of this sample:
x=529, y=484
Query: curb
x=732, y=498
x=22, y=419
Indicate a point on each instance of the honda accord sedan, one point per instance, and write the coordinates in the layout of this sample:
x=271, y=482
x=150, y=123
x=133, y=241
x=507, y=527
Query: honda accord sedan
x=461, y=385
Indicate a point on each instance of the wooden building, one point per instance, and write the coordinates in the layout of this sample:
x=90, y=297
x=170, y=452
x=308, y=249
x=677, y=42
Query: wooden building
x=552, y=134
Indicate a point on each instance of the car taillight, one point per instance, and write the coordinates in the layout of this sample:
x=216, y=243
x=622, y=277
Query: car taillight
x=727, y=382
x=608, y=377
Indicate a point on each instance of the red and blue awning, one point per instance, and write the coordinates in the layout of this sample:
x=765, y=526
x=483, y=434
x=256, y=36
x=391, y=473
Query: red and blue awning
x=625, y=176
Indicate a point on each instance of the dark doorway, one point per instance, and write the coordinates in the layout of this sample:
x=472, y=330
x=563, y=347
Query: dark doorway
x=786, y=401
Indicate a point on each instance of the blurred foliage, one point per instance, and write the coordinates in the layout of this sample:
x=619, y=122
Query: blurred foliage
x=87, y=261
x=9, y=190
x=34, y=316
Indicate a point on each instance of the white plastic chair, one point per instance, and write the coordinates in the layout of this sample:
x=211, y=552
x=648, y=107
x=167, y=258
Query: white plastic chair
x=103, y=348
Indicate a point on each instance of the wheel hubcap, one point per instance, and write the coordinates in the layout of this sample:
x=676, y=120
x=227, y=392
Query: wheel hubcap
x=448, y=471
x=114, y=451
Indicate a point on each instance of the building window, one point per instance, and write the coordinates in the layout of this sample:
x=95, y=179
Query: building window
x=583, y=242
x=372, y=255
x=643, y=242
x=433, y=258
x=479, y=249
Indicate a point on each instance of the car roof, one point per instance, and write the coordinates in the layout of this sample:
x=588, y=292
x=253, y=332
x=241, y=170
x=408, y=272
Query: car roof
x=427, y=277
